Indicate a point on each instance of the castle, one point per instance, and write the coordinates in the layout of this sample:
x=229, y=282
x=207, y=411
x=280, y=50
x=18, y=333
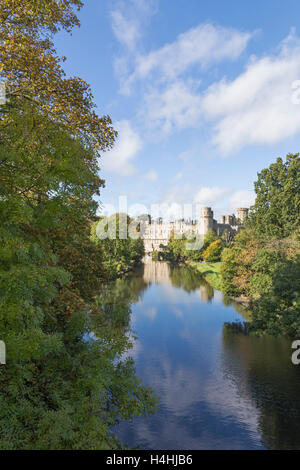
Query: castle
x=156, y=234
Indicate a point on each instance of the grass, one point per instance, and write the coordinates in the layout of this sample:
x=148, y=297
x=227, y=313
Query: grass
x=211, y=272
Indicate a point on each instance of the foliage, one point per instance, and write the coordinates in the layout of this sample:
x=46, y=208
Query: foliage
x=188, y=279
x=213, y=252
x=277, y=310
x=276, y=209
x=120, y=250
x=178, y=249
x=263, y=262
x=33, y=73
x=209, y=238
x=237, y=260
x=65, y=382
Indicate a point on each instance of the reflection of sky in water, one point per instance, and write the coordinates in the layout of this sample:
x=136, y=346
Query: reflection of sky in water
x=206, y=400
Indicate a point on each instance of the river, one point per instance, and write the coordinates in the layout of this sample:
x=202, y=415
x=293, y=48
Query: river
x=218, y=389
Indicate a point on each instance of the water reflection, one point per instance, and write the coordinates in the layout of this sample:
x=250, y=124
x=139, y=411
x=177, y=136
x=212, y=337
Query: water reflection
x=262, y=368
x=156, y=272
x=218, y=390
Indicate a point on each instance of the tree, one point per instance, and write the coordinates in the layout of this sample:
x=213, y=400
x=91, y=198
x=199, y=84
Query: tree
x=33, y=72
x=63, y=386
x=263, y=262
x=277, y=310
x=237, y=261
x=209, y=238
x=177, y=248
x=213, y=251
x=276, y=209
x=120, y=251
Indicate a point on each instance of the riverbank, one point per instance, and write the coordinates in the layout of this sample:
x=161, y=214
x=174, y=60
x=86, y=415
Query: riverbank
x=129, y=268
x=211, y=273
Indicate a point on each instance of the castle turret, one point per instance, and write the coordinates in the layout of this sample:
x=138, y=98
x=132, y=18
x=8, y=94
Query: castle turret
x=242, y=214
x=206, y=220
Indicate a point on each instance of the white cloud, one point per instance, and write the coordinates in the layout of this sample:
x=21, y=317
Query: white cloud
x=171, y=97
x=187, y=155
x=170, y=100
x=177, y=177
x=177, y=107
x=207, y=196
x=257, y=107
x=126, y=30
x=171, y=211
x=179, y=194
x=242, y=199
x=119, y=159
x=175, y=203
x=128, y=19
x=150, y=312
x=148, y=7
x=186, y=201
x=203, y=45
x=151, y=176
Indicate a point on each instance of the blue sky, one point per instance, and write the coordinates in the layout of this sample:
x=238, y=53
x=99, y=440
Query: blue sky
x=201, y=94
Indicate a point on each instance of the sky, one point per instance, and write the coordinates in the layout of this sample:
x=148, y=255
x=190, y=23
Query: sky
x=203, y=94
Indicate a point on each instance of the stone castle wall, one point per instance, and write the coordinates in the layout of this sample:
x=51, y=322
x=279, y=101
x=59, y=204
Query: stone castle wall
x=156, y=235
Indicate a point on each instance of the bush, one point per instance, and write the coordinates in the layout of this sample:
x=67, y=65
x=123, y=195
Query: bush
x=213, y=251
x=277, y=311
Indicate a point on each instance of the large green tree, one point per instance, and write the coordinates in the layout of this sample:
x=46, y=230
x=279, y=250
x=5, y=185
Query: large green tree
x=122, y=248
x=263, y=262
x=33, y=72
x=276, y=211
x=65, y=382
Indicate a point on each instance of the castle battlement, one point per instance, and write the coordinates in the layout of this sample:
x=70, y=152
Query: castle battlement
x=156, y=234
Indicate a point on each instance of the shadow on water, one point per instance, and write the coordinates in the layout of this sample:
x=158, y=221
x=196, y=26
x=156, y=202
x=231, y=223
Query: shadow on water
x=218, y=389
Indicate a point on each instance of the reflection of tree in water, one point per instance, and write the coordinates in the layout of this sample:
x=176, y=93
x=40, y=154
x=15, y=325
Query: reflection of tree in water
x=190, y=280
x=157, y=272
x=116, y=297
x=238, y=307
x=179, y=276
x=262, y=369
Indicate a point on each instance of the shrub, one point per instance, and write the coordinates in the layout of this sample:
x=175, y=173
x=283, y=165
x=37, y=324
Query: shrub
x=213, y=251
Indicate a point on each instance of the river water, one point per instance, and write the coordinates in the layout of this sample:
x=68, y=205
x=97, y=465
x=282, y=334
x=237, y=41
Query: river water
x=218, y=389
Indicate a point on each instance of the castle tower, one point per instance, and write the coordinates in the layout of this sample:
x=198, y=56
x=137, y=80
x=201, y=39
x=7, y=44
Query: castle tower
x=206, y=220
x=242, y=214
